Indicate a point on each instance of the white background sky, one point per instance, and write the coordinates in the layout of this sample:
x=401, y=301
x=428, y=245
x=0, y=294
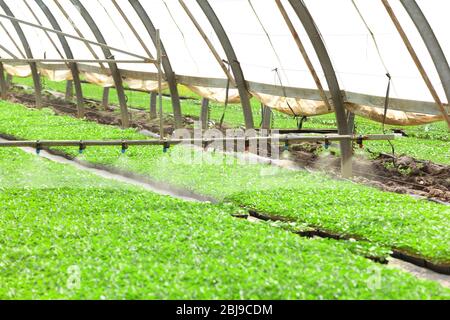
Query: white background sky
x=352, y=50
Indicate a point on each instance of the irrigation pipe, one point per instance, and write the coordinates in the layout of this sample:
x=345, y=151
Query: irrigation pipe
x=285, y=139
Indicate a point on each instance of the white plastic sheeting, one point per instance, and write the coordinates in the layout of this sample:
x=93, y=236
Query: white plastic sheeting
x=263, y=44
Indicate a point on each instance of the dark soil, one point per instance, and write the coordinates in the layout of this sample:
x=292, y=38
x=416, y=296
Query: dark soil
x=139, y=119
x=401, y=174
x=94, y=111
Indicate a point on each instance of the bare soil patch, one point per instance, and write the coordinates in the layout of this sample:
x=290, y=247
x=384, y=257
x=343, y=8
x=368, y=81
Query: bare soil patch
x=401, y=174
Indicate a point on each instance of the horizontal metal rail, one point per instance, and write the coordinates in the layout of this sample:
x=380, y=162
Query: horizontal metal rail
x=26, y=61
x=300, y=131
x=105, y=143
x=67, y=35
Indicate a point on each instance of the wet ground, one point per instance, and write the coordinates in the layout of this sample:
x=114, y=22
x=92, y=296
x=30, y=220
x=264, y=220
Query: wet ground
x=419, y=272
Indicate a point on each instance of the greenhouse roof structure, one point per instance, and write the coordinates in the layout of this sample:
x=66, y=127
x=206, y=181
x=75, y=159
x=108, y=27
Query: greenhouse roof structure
x=384, y=60
x=254, y=45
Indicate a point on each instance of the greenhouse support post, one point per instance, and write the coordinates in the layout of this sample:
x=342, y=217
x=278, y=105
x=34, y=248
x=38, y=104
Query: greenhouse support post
x=153, y=105
x=72, y=66
x=3, y=84
x=160, y=100
x=204, y=115
x=105, y=98
x=69, y=90
x=266, y=117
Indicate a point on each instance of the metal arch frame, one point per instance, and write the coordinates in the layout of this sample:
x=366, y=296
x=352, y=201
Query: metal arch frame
x=431, y=42
x=115, y=72
x=232, y=59
x=303, y=53
x=3, y=84
x=88, y=46
x=80, y=38
x=29, y=53
x=69, y=54
x=319, y=46
x=39, y=22
x=207, y=41
x=132, y=28
x=167, y=66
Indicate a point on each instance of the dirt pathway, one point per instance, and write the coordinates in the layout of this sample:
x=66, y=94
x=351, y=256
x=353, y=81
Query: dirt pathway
x=419, y=272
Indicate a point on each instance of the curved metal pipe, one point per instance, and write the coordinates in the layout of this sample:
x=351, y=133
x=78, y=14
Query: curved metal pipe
x=115, y=72
x=167, y=66
x=232, y=59
x=208, y=42
x=68, y=51
x=314, y=35
x=3, y=85
x=29, y=54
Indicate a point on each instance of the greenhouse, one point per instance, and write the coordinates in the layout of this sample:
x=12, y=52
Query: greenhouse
x=224, y=150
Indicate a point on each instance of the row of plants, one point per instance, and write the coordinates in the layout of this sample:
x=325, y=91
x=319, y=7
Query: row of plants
x=415, y=227
x=312, y=199
x=67, y=234
x=141, y=100
x=427, y=142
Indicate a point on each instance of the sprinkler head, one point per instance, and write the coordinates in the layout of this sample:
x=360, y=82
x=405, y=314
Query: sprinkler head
x=124, y=148
x=81, y=148
x=38, y=148
x=327, y=144
x=166, y=147
x=359, y=141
